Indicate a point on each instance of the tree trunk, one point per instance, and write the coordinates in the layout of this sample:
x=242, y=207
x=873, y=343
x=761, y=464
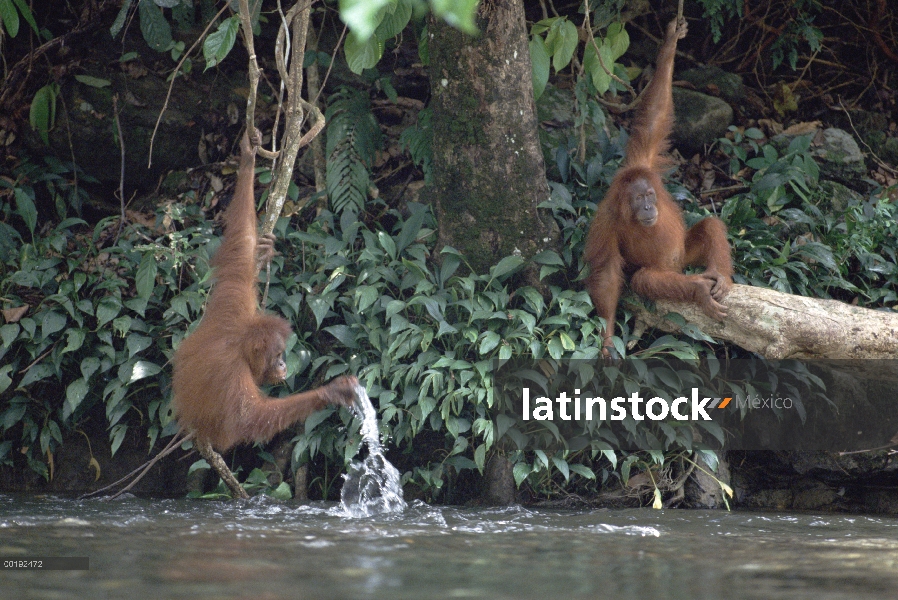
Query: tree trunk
x=777, y=325
x=488, y=170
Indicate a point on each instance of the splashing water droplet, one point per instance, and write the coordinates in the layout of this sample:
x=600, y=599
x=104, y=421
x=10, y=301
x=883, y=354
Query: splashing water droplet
x=372, y=485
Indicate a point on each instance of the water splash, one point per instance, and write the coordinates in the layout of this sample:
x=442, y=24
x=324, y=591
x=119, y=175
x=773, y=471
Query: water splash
x=372, y=485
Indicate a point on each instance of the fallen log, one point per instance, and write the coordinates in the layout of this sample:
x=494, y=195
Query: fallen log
x=776, y=325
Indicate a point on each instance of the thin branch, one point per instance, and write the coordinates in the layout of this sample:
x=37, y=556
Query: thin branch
x=175, y=74
x=121, y=179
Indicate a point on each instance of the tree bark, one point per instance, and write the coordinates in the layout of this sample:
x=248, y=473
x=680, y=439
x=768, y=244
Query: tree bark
x=488, y=169
x=777, y=325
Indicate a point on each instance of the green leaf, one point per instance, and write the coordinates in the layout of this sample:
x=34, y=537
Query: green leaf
x=143, y=369
x=74, y=394
x=5, y=379
x=219, y=44
x=26, y=209
x=618, y=40
x=344, y=334
x=36, y=373
x=480, y=457
x=145, y=279
x=120, y=18
x=93, y=81
x=317, y=417
x=562, y=467
x=51, y=323
x=394, y=22
x=137, y=343
x=490, y=340
x=565, y=44
x=154, y=27
x=10, y=17
x=387, y=243
x=9, y=333
x=458, y=13
x=281, y=492
x=26, y=14
x=89, y=366
x=75, y=340
x=361, y=55
x=410, y=230
x=117, y=435
x=107, y=309
x=506, y=266
x=539, y=62
x=42, y=114
x=548, y=257
x=363, y=16
x=521, y=471
x=583, y=471
x=601, y=79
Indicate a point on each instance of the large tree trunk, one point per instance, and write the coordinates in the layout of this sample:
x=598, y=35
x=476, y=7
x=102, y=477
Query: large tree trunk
x=488, y=170
x=777, y=325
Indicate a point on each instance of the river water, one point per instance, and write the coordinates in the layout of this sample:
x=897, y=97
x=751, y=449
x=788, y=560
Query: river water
x=170, y=549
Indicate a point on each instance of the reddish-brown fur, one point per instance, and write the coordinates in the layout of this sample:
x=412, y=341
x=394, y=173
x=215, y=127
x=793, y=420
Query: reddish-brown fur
x=638, y=229
x=219, y=367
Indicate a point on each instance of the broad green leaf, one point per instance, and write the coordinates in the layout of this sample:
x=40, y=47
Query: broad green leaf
x=395, y=21
x=42, y=115
x=75, y=338
x=145, y=279
x=490, y=340
x=219, y=44
x=9, y=333
x=143, y=369
x=5, y=379
x=92, y=81
x=480, y=457
x=618, y=40
x=36, y=373
x=120, y=18
x=51, y=323
x=10, y=17
x=361, y=55
x=601, y=78
x=506, y=266
x=137, y=343
x=458, y=13
x=363, y=16
x=539, y=61
x=565, y=45
x=107, y=309
x=154, y=26
x=562, y=467
x=27, y=15
x=26, y=209
x=74, y=394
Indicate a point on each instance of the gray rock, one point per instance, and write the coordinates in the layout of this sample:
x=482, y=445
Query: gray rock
x=839, y=156
x=714, y=79
x=699, y=119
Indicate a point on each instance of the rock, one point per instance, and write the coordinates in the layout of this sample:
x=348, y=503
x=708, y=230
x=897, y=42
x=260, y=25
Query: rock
x=703, y=490
x=839, y=156
x=715, y=81
x=836, y=198
x=699, y=120
x=498, y=480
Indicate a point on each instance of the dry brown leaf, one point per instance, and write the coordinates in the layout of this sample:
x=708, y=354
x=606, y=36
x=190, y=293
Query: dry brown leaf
x=13, y=315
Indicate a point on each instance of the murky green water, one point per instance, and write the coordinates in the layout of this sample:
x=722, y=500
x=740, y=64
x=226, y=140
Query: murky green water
x=140, y=549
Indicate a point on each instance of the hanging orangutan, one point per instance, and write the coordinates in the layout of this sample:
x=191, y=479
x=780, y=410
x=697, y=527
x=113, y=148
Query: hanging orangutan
x=236, y=348
x=638, y=229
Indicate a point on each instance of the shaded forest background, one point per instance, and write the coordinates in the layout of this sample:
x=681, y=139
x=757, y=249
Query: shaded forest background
x=104, y=248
